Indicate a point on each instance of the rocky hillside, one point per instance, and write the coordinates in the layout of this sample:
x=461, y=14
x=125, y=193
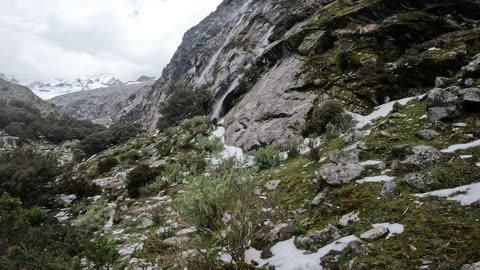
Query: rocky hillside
x=14, y=93
x=104, y=105
x=258, y=58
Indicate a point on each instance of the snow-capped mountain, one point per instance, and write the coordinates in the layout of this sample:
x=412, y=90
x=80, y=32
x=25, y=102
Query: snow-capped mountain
x=48, y=90
x=8, y=77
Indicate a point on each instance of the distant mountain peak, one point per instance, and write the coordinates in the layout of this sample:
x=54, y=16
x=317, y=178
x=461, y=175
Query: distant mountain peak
x=8, y=77
x=48, y=90
x=144, y=78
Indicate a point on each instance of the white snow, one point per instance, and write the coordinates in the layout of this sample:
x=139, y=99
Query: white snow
x=478, y=164
x=393, y=229
x=466, y=156
x=370, y=162
x=380, y=111
x=228, y=151
x=374, y=179
x=456, y=147
x=286, y=256
x=465, y=195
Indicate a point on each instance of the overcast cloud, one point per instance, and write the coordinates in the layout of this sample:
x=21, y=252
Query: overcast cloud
x=46, y=39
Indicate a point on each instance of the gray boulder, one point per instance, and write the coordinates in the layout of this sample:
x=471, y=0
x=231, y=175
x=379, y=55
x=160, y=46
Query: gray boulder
x=420, y=181
x=320, y=197
x=316, y=239
x=422, y=158
x=9, y=142
x=441, y=82
x=388, y=188
x=338, y=173
x=427, y=134
x=473, y=68
x=346, y=219
x=374, y=233
x=346, y=158
x=439, y=97
x=442, y=113
x=473, y=266
x=470, y=98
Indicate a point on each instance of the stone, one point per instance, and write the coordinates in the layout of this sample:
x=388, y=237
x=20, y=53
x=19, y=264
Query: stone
x=272, y=185
x=397, y=106
x=422, y=158
x=388, y=188
x=318, y=238
x=468, y=82
x=281, y=232
x=374, y=233
x=427, y=134
x=473, y=68
x=473, y=266
x=176, y=241
x=353, y=135
x=442, y=113
x=335, y=174
x=439, y=97
x=319, y=198
x=346, y=219
x=146, y=223
x=470, y=98
x=422, y=182
x=400, y=151
x=10, y=142
x=441, y=82
x=158, y=163
x=345, y=158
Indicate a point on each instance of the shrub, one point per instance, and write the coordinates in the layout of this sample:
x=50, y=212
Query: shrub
x=223, y=204
x=332, y=131
x=28, y=175
x=183, y=103
x=192, y=161
x=106, y=164
x=314, y=146
x=293, y=148
x=159, y=184
x=267, y=157
x=210, y=145
x=131, y=155
x=331, y=112
x=101, y=253
x=95, y=217
x=139, y=177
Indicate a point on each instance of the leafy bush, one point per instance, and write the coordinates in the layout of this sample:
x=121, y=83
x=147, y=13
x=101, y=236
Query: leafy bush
x=207, y=145
x=106, y=164
x=183, y=103
x=28, y=175
x=226, y=203
x=95, y=217
x=170, y=174
x=315, y=149
x=139, y=177
x=331, y=112
x=131, y=155
x=267, y=157
x=101, y=253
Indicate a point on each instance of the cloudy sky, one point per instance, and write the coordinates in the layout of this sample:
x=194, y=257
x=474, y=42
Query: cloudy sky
x=46, y=39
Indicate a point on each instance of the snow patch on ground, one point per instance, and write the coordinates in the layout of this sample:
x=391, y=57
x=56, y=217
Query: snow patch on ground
x=286, y=256
x=370, y=162
x=380, y=111
x=456, y=147
x=393, y=229
x=375, y=179
x=229, y=151
x=465, y=195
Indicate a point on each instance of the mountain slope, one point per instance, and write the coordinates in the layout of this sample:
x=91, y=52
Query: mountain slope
x=270, y=64
x=10, y=92
x=104, y=105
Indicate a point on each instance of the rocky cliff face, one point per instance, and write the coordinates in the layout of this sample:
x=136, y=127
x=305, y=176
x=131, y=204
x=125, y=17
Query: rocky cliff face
x=105, y=105
x=269, y=63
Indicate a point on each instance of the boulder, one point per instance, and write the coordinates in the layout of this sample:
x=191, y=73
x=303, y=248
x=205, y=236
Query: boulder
x=340, y=173
x=345, y=158
x=420, y=181
x=439, y=97
x=442, y=113
x=10, y=142
x=346, y=219
x=473, y=68
x=441, y=82
x=354, y=135
x=374, y=233
x=470, y=98
x=388, y=188
x=422, y=158
x=427, y=134
x=319, y=198
x=272, y=185
x=146, y=223
x=473, y=266
x=316, y=239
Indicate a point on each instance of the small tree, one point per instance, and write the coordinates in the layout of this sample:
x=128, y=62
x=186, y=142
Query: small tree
x=101, y=253
x=267, y=157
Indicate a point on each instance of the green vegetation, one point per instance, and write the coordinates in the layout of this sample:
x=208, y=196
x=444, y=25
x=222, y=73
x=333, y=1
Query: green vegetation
x=106, y=164
x=139, y=177
x=101, y=253
x=329, y=118
x=267, y=157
